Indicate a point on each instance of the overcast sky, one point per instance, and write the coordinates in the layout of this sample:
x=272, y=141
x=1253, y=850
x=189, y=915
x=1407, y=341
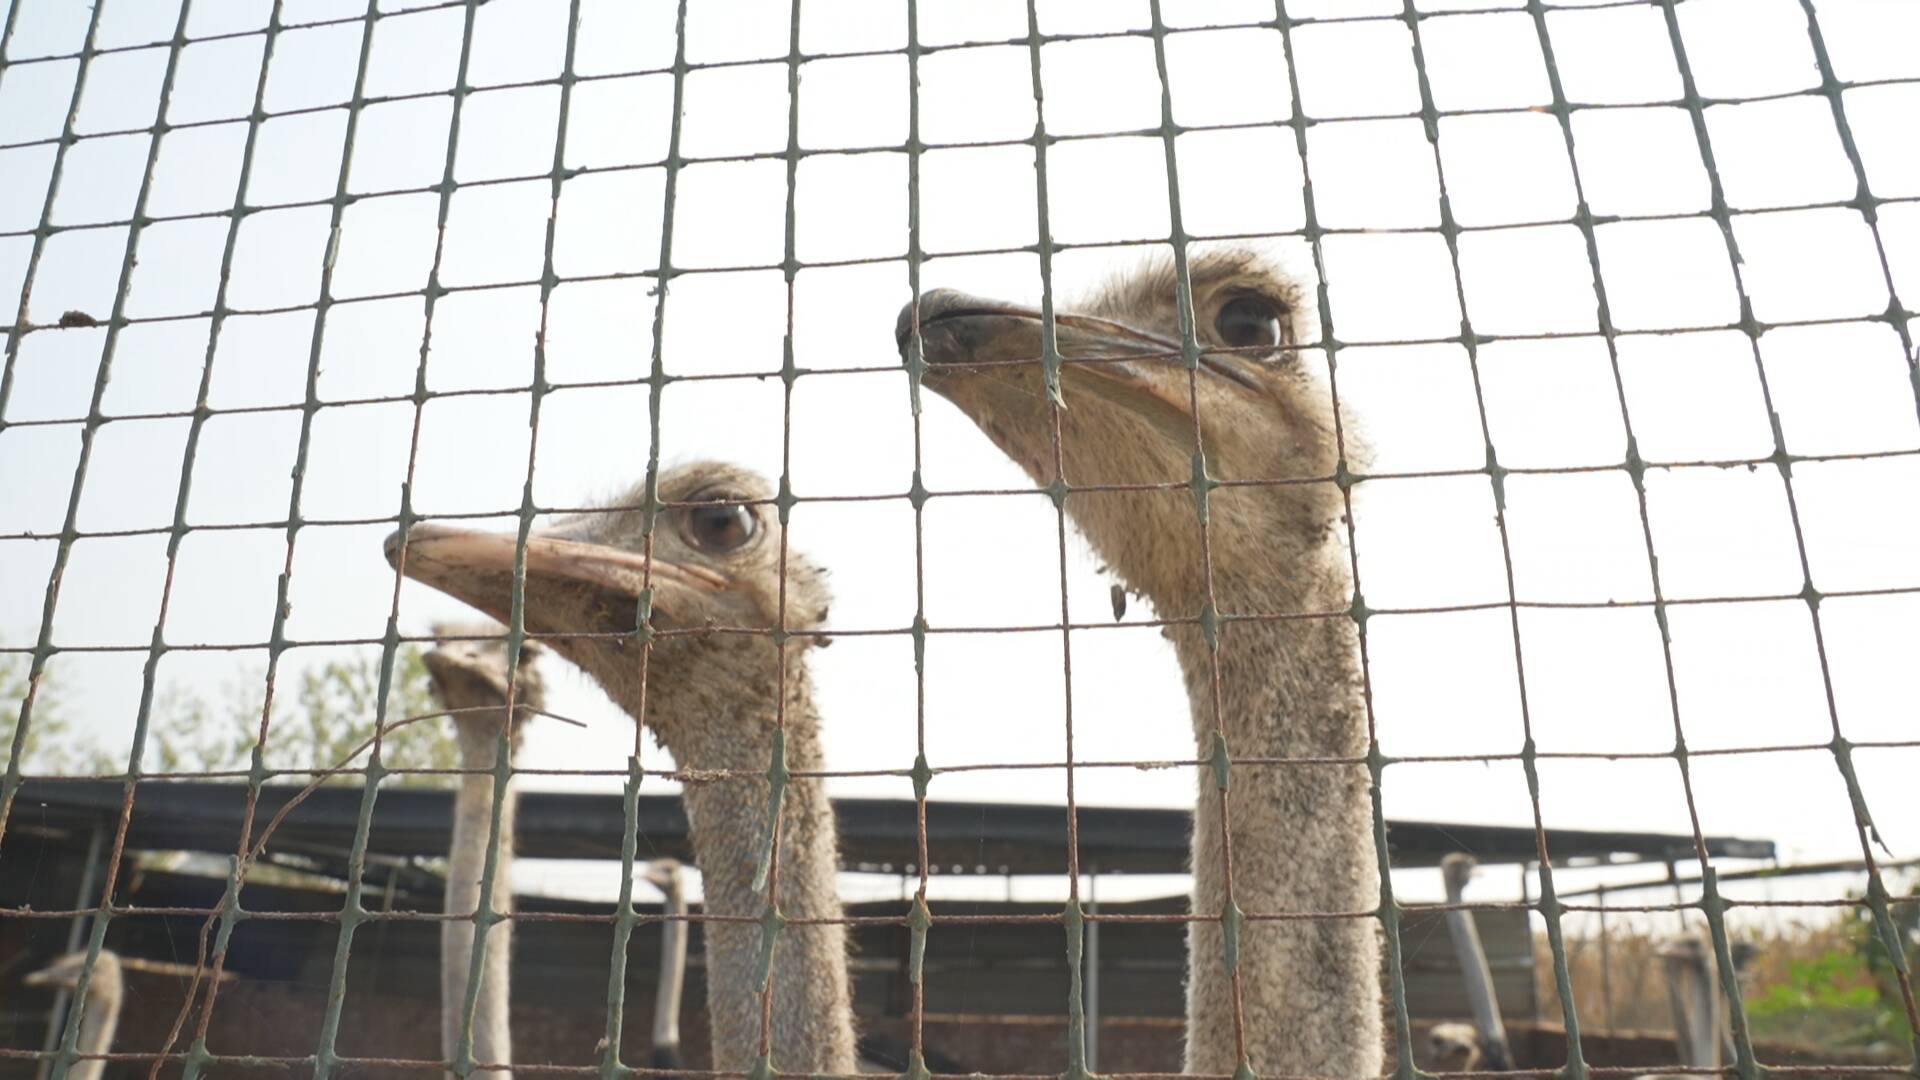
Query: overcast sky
x=1746, y=674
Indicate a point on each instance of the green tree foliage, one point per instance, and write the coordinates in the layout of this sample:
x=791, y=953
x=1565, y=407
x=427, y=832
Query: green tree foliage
x=318, y=722
x=51, y=745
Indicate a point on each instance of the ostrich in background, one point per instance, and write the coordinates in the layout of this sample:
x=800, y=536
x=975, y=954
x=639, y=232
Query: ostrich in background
x=99, y=1006
x=1490, y=1041
x=469, y=679
x=712, y=699
x=664, y=874
x=1687, y=965
x=1302, y=834
x=1453, y=1047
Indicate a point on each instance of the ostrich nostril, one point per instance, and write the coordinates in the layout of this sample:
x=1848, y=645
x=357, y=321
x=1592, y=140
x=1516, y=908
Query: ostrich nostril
x=933, y=304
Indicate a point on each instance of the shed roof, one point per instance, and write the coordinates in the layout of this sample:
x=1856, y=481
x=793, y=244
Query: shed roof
x=876, y=834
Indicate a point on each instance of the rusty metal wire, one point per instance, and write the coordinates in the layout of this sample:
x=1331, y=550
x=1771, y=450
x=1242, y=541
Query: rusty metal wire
x=188, y=1048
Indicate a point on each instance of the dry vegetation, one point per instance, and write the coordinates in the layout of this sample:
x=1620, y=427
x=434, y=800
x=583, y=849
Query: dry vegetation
x=1823, y=983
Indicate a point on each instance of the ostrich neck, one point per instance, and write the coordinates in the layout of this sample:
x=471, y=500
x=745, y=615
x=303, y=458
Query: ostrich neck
x=811, y=1014
x=101, y=1016
x=478, y=739
x=1302, y=837
x=673, y=974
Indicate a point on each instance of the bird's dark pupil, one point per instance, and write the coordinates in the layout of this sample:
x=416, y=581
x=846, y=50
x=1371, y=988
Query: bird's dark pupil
x=720, y=526
x=1248, y=321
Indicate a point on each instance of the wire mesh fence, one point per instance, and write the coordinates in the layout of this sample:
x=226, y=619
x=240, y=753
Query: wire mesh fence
x=378, y=191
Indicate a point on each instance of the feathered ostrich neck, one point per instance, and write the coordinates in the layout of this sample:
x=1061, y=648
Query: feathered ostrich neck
x=478, y=736
x=712, y=703
x=673, y=972
x=1301, y=834
x=100, y=1016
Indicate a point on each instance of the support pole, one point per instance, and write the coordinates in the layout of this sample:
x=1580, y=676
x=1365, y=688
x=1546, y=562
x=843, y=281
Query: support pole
x=1093, y=970
x=1457, y=869
x=1606, y=964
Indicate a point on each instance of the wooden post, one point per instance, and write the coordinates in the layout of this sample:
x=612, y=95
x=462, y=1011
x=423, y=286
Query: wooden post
x=1093, y=970
x=1606, y=964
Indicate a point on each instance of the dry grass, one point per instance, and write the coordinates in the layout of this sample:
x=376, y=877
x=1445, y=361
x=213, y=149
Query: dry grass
x=1808, y=984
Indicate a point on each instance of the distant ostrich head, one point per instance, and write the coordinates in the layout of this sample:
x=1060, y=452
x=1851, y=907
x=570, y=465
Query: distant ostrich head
x=1454, y=1047
x=470, y=671
x=715, y=562
x=1130, y=417
x=65, y=973
x=1457, y=871
x=664, y=874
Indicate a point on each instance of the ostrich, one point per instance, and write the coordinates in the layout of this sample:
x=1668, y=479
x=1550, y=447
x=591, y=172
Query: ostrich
x=1456, y=871
x=1454, y=1047
x=664, y=874
x=711, y=700
x=469, y=678
x=99, y=1006
x=1687, y=964
x=1309, y=990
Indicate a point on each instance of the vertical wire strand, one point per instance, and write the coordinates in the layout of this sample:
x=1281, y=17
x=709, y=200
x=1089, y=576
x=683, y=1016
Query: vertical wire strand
x=921, y=918
x=352, y=912
x=1203, y=485
x=43, y=648
x=484, y=917
x=611, y=1067
x=1072, y=917
x=782, y=653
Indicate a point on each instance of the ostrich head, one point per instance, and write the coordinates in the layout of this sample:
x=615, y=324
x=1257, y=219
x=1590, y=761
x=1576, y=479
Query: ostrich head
x=65, y=973
x=664, y=874
x=1457, y=869
x=470, y=672
x=1454, y=1047
x=1131, y=408
x=715, y=562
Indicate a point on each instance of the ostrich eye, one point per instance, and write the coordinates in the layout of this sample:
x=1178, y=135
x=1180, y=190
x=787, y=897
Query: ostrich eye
x=1248, y=322
x=720, y=529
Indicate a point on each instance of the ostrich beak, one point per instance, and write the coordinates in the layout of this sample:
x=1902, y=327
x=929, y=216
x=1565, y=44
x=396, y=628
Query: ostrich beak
x=1132, y=368
x=477, y=568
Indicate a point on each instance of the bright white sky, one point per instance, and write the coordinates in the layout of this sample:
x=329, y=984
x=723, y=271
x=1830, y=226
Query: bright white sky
x=1747, y=674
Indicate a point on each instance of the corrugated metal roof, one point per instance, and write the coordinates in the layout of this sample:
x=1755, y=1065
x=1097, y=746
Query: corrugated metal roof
x=875, y=834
